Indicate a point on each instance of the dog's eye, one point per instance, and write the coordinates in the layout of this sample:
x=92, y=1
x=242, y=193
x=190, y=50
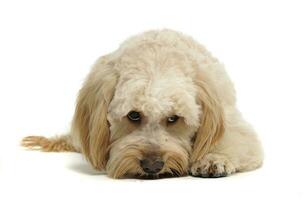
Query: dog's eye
x=134, y=116
x=172, y=119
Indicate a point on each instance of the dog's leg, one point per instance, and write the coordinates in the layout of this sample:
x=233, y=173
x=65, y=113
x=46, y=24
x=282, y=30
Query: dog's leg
x=57, y=144
x=238, y=150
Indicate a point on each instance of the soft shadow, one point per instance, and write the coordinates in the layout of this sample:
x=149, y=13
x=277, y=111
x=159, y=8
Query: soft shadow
x=84, y=168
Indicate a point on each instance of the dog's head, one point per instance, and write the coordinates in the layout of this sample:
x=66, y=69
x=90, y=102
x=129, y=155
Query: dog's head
x=147, y=111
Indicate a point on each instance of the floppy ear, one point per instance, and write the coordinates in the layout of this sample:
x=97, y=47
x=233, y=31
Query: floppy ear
x=212, y=119
x=90, y=120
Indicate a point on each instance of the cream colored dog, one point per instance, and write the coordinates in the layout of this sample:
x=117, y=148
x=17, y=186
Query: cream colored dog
x=158, y=106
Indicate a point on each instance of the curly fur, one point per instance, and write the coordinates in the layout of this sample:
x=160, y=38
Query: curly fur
x=160, y=74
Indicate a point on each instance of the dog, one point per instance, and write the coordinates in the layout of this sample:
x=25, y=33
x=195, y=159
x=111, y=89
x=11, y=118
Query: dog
x=159, y=106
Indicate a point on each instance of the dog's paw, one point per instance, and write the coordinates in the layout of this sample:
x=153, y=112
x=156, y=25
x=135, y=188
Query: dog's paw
x=212, y=166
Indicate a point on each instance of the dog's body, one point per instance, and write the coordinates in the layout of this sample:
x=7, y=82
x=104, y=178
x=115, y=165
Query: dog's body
x=160, y=104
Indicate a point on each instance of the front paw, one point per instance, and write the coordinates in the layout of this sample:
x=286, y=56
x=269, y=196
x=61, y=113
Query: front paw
x=212, y=166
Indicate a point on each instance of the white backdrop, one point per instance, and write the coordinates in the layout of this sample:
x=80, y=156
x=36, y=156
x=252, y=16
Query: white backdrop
x=47, y=48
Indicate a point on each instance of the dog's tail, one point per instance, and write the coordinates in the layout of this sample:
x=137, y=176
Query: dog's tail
x=61, y=143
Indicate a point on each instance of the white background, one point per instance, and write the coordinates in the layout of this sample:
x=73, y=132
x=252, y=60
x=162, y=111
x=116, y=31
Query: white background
x=47, y=48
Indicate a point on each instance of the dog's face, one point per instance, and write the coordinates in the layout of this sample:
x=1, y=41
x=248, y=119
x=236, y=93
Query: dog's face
x=147, y=114
x=152, y=117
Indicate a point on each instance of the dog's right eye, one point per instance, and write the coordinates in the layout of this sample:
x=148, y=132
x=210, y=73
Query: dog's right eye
x=134, y=116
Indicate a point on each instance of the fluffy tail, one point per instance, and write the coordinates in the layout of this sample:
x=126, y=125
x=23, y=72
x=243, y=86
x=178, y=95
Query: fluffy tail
x=56, y=144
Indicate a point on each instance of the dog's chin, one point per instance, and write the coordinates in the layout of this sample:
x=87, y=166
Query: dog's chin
x=131, y=169
x=145, y=176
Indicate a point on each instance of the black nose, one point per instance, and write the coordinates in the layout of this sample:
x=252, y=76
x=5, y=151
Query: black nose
x=151, y=166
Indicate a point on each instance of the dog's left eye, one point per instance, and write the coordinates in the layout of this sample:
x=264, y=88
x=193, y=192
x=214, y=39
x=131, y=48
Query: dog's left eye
x=134, y=116
x=172, y=119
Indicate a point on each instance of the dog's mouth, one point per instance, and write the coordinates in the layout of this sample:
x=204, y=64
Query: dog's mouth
x=172, y=174
x=154, y=176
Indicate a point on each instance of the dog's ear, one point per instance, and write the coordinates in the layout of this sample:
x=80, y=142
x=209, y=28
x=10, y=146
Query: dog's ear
x=90, y=119
x=212, y=119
